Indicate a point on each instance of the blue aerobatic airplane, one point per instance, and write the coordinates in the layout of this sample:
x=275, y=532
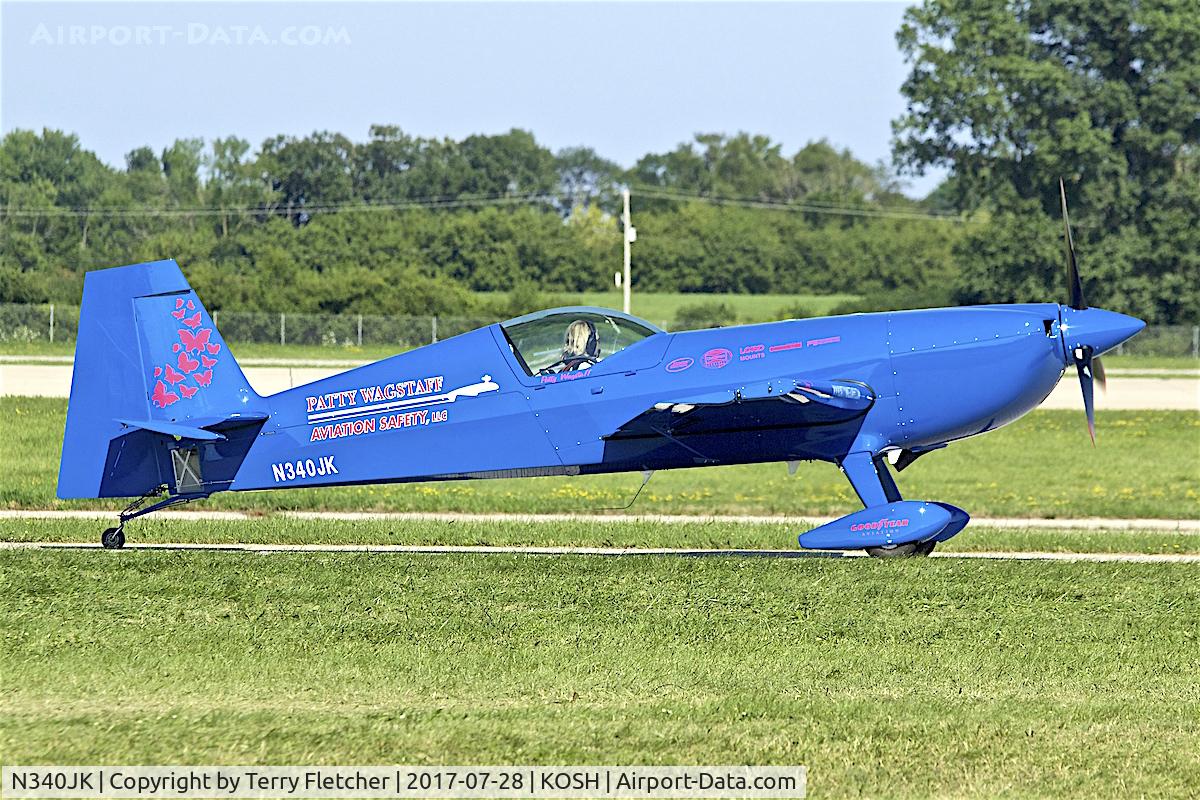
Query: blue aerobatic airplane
x=160, y=410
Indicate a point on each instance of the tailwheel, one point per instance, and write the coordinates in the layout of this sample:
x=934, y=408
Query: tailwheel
x=113, y=539
x=902, y=550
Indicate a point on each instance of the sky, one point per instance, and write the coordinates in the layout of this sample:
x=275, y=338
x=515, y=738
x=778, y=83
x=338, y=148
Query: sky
x=624, y=78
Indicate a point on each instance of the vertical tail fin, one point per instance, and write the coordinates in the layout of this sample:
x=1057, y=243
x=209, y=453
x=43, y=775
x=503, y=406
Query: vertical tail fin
x=152, y=376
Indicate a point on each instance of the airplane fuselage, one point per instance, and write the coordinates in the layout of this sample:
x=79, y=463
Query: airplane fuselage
x=465, y=408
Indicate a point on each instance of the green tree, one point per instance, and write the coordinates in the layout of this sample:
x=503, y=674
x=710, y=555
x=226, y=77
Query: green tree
x=144, y=177
x=1106, y=93
x=181, y=166
x=383, y=166
x=822, y=173
x=743, y=165
x=234, y=182
x=313, y=171
x=511, y=163
x=585, y=178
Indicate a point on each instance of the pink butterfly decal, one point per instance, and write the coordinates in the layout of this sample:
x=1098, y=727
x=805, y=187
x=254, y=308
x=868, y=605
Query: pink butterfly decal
x=195, y=341
x=191, y=305
x=187, y=363
x=188, y=391
x=204, y=378
x=214, y=348
x=175, y=348
x=179, y=314
x=179, y=302
x=206, y=361
x=157, y=371
x=161, y=397
x=193, y=321
x=173, y=377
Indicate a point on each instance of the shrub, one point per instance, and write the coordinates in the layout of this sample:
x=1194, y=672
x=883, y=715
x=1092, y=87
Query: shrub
x=896, y=300
x=795, y=311
x=708, y=314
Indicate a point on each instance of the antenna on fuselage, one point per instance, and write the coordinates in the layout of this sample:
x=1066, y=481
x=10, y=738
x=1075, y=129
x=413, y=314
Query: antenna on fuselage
x=647, y=474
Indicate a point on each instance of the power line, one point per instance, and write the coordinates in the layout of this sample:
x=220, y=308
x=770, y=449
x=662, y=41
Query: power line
x=470, y=202
x=806, y=207
x=280, y=210
x=649, y=188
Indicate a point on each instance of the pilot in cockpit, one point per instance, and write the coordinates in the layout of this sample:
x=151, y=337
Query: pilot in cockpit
x=581, y=346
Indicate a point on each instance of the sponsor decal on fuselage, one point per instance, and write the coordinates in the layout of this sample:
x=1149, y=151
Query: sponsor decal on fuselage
x=387, y=406
x=719, y=357
x=366, y=395
x=849, y=392
x=716, y=358
x=751, y=352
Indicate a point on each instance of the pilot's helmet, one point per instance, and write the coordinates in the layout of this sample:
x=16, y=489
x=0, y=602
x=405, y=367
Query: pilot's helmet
x=581, y=339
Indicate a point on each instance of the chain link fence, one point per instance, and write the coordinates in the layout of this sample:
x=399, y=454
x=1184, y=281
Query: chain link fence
x=21, y=323
x=24, y=324
x=340, y=330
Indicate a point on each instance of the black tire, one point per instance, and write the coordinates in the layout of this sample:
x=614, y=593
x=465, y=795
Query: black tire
x=902, y=550
x=113, y=539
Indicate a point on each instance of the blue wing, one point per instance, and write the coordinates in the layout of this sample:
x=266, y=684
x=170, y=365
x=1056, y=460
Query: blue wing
x=769, y=404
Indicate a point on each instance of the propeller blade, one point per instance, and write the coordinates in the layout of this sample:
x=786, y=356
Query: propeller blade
x=1084, y=366
x=1098, y=373
x=1074, y=286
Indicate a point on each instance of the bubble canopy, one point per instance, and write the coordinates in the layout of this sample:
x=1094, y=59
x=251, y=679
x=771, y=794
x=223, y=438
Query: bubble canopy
x=538, y=339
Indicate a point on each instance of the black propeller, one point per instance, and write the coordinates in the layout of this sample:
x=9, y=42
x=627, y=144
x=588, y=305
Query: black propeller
x=1089, y=367
x=1073, y=284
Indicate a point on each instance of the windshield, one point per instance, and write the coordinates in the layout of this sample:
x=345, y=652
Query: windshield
x=572, y=339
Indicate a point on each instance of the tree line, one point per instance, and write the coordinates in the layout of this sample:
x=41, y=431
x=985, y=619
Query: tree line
x=1007, y=96
x=399, y=224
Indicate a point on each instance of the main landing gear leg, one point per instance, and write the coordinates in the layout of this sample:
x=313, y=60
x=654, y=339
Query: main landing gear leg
x=873, y=482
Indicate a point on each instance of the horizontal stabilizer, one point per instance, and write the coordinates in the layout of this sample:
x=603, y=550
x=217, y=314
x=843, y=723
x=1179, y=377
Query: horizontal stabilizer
x=766, y=404
x=199, y=429
x=171, y=429
x=884, y=525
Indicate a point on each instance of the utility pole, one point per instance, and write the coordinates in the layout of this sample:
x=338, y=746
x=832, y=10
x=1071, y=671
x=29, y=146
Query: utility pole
x=630, y=236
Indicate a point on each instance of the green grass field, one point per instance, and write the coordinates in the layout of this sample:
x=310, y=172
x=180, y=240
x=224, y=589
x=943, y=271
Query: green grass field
x=1136, y=362
x=662, y=307
x=928, y=678
x=698, y=535
x=1042, y=466
x=912, y=679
